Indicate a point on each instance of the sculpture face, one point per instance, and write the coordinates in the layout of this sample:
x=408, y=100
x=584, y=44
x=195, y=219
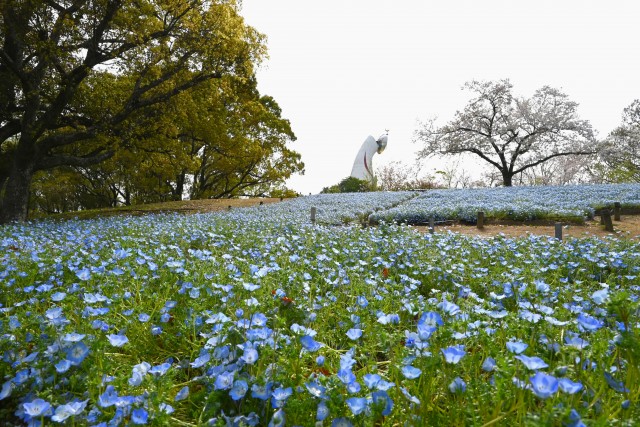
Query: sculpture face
x=382, y=143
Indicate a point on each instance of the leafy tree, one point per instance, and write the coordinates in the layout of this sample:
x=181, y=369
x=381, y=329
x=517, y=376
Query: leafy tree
x=74, y=73
x=620, y=157
x=510, y=133
x=350, y=184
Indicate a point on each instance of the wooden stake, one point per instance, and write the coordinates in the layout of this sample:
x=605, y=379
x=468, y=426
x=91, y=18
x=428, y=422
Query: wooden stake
x=480, y=219
x=606, y=219
x=432, y=224
x=616, y=211
x=559, y=231
x=313, y=215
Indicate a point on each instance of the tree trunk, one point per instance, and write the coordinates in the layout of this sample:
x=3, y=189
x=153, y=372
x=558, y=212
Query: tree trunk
x=507, y=179
x=15, y=202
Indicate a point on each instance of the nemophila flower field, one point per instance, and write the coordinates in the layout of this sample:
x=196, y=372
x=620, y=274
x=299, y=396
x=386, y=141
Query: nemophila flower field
x=255, y=317
x=572, y=203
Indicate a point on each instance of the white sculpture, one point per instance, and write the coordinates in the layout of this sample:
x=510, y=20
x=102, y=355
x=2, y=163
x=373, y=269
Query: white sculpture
x=363, y=164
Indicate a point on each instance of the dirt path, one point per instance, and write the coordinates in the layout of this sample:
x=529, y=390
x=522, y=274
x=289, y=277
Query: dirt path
x=628, y=227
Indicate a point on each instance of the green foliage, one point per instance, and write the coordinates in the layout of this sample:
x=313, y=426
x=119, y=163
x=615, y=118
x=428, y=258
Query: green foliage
x=350, y=185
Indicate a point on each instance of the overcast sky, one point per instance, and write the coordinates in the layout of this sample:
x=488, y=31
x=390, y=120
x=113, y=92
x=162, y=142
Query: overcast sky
x=345, y=69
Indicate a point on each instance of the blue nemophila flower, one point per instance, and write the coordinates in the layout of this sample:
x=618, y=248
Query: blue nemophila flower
x=431, y=318
x=239, y=389
x=346, y=376
x=381, y=398
x=182, y=394
x=250, y=354
x=139, y=416
x=160, y=370
x=322, y=412
x=589, y=323
x=69, y=410
x=354, y=387
x=614, y=384
x=354, y=333
x=156, y=330
x=37, y=408
x=574, y=420
x=278, y=419
x=279, y=396
x=341, y=422
x=315, y=389
x=73, y=337
x=357, y=404
x=457, y=385
x=568, y=386
x=320, y=360
x=516, y=347
x=77, y=353
x=411, y=372
x=572, y=339
x=310, y=344
x=453, y=354
x=224, y=381
x=371, y=380
x=201, y=360
x=449, y=307
x=62, y=366
x=117, y=340
x=143, y=317
x=425, y=330
x=533, y=363
x=262, y=392
x=543, y=385
x=108, y=398
x=489, y=364
x=83, y=274
x=600, y=297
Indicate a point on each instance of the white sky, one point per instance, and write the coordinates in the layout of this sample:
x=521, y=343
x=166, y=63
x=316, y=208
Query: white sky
x=344, y=69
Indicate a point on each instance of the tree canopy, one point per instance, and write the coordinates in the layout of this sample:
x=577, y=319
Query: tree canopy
x=510, y=133
x=84, y=81
x=621, y=152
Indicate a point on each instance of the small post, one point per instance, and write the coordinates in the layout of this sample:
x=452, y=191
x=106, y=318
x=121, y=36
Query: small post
x=261, y=203
x=559, y=231
x=606, y=219
x=480, y=220
x=616, y=211
x=229, y=207
x=281, y=198
x=313, y=215
x=432, y=224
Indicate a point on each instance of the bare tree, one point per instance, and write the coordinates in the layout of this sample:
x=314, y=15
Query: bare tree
x=512, y=134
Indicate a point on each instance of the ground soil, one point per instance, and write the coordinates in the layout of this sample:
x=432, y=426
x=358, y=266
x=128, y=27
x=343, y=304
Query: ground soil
x=628, y=227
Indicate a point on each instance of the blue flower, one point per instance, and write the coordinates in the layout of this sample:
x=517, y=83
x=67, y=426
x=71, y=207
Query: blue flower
x=341, y=422
x=182, y=394
x=62, y=366
x=316, y=389
x=532, y=363
x=37, y=408
x=224, y=381
x=322, y=411
x=240, y=388
x=70, y=409
x=346, y=376
x=453, y=354
x=83, y=274
x=371, y=380
x=357, y=404
x=381, y=398
x=139, y=416
x=543, y=385
x=279, y=396
x=516, y=347
x=262, y=392
x=201, y=360
x=278, y=419
x=354, y=333
x=108, y=398
x=589, y=323
x=320, y=360
x=77, y=353
x=160, y=370
x=489, y=364
x=117, y=340
x=310, y=344
x=411, y=372
x=250, y=355
x=458, y=385
x=616, y=385
x=568, y=386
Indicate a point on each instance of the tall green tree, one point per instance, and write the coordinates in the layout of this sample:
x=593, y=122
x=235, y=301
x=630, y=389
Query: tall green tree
x=73, y=73
x=511, y=134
